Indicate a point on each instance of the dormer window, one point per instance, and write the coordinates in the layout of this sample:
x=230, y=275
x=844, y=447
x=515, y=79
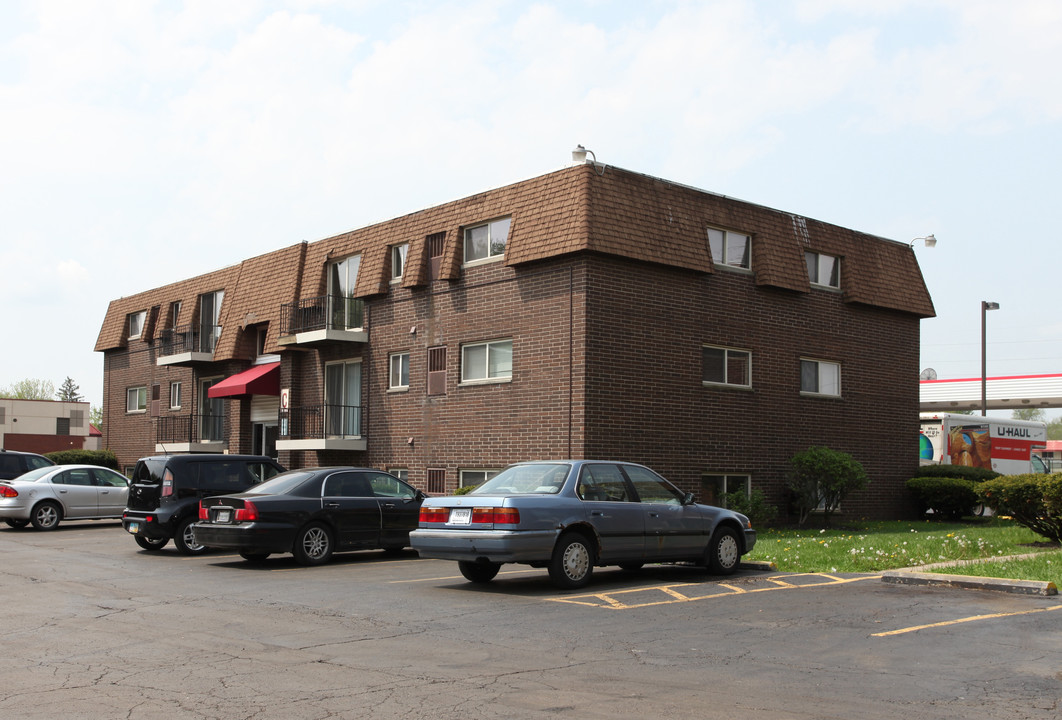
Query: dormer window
x=824, y=270
x=729, y=248
x=486, y=241
x=398, y=260
x=136, y=324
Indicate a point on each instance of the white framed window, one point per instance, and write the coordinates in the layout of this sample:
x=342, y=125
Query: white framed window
x=475, y=477
x=820, y=377
x=136, y=324
x=400, y=473
x=175, y=313
x=175, y=396
x=726, y=366
x=346, y=312
x=487, y=241
x=343, y=398
x=487, y=361
x=210, y=320
x=824, y=270
x=398, y=260
x=136, y=399
x=399, y=372
x=729, y=248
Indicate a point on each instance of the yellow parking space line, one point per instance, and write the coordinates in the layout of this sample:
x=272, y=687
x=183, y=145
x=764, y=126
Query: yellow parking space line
x=957, y=621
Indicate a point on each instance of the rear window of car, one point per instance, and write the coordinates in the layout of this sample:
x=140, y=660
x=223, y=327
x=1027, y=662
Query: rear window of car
x=283, y=484
x=149, y=472
x=536, y=478
x=35, y=475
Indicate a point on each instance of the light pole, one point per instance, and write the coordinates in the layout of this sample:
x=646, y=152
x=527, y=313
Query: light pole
x=985, y=307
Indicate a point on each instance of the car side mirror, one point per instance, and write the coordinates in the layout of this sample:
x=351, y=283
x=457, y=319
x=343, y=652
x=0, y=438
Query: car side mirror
x=420, y=495
x=689, y=499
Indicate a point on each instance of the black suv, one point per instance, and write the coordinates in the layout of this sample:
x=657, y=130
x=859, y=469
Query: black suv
x=165, y=491
x=13, y=463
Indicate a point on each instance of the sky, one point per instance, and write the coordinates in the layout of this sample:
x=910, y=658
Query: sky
x=145, y=142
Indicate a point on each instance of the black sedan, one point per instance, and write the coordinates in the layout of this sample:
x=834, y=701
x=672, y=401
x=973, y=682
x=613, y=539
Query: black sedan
x=312, y=513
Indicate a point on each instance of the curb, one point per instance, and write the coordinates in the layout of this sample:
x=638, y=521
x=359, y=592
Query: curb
x=970, y=582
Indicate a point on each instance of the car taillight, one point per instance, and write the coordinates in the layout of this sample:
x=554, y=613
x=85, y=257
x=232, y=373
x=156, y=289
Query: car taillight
x=167, y=483
x=434, y=514
x=8, y=491
x=204, y=513
x=496, y=515
x=248, y=513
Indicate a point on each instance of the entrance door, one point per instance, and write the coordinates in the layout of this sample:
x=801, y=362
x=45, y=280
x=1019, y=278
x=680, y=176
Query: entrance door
x=264, y=440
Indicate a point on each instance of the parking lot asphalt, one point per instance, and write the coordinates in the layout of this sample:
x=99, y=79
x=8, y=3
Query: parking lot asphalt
x=94, y=627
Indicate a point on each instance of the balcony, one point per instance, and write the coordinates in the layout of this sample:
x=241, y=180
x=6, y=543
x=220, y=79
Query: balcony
x=191, y=433
x=188, y=344
x=322, y=427
x=326, y=318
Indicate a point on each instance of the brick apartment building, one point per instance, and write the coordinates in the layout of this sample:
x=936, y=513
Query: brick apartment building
x=592, y=312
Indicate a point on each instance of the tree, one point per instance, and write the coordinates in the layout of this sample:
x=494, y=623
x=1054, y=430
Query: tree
x=1054, y=429
x=1031, y=414
x=68, y=391
x=96, y=416
x=823, y=478
x=29, y=389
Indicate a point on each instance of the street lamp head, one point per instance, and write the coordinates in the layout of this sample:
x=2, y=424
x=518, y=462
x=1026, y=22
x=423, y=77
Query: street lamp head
x=929, y=240
x=986, y=305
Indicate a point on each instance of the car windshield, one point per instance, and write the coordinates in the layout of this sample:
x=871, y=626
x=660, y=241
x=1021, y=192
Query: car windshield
x=540, y=478
x=282, y=484
x=35, y=475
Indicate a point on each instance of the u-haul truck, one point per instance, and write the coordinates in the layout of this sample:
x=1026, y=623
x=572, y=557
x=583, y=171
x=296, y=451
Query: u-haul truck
x=1010, y=447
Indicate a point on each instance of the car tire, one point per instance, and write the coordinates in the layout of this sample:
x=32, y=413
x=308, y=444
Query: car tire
x=46, y=516
x=724, y=551
x=17, y=524
x=254, y=557
x=149, y=543
x=572, y=563
x=478, y=572
x=313, y=545
x=184, y=539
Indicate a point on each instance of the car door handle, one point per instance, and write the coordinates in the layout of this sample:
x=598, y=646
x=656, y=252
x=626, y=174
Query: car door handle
x=596, y=513
x=332, y=505
x=389, y=506
x=654, y=514
x=62, y=492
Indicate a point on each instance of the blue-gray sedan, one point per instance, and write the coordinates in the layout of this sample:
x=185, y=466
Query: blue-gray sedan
x=572, y=515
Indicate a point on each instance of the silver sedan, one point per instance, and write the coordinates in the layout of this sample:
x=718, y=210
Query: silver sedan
x=47, y=495
x=570, y=516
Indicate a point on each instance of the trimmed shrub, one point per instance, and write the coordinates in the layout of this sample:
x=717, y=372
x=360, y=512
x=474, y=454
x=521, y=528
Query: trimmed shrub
x=754, y=506
x=949, y=498
x=823, y=478
x=1033, y=500
x=957, y=471
x=465, y=490
x=103, y=458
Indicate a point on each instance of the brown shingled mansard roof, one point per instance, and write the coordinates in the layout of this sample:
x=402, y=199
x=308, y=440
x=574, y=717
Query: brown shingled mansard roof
x=583, y=208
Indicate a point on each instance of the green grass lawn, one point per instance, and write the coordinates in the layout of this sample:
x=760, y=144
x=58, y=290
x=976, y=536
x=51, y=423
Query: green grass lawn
x=876, y=546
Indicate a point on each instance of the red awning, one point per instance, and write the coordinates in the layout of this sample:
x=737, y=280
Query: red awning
x=259, y=380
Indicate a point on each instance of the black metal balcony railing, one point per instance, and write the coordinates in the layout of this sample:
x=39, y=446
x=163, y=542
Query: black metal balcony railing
x=317, y=422
x=190, y=429
x=325, y=312
x=190, y=338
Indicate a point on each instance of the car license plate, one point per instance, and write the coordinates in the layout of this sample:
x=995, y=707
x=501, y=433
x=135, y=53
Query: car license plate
x=460, y=516
x=223, y=516
x=134, y=528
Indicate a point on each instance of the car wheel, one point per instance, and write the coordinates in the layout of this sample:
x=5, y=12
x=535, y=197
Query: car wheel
x=149, y=543
x=724, y=551
x=631, y=566
x=253, y=556
x=17, y=524
x=313, y=545
x=46, y=516
x=478, y=572
x=572, y=562
x=184, y=539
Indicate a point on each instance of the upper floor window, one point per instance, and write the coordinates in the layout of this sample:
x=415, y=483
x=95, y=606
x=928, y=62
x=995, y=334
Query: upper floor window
x=823, y=270
x=136, y=324
x=487, y=361
x=345, y=311
x=820, y=377
x=210, y=320
x=726, y=366
x=398, y=260
x=175, y=396
x=399, y=373
x=136, y=399
x=175, y=314
x=486, y=240
x=730, y=248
